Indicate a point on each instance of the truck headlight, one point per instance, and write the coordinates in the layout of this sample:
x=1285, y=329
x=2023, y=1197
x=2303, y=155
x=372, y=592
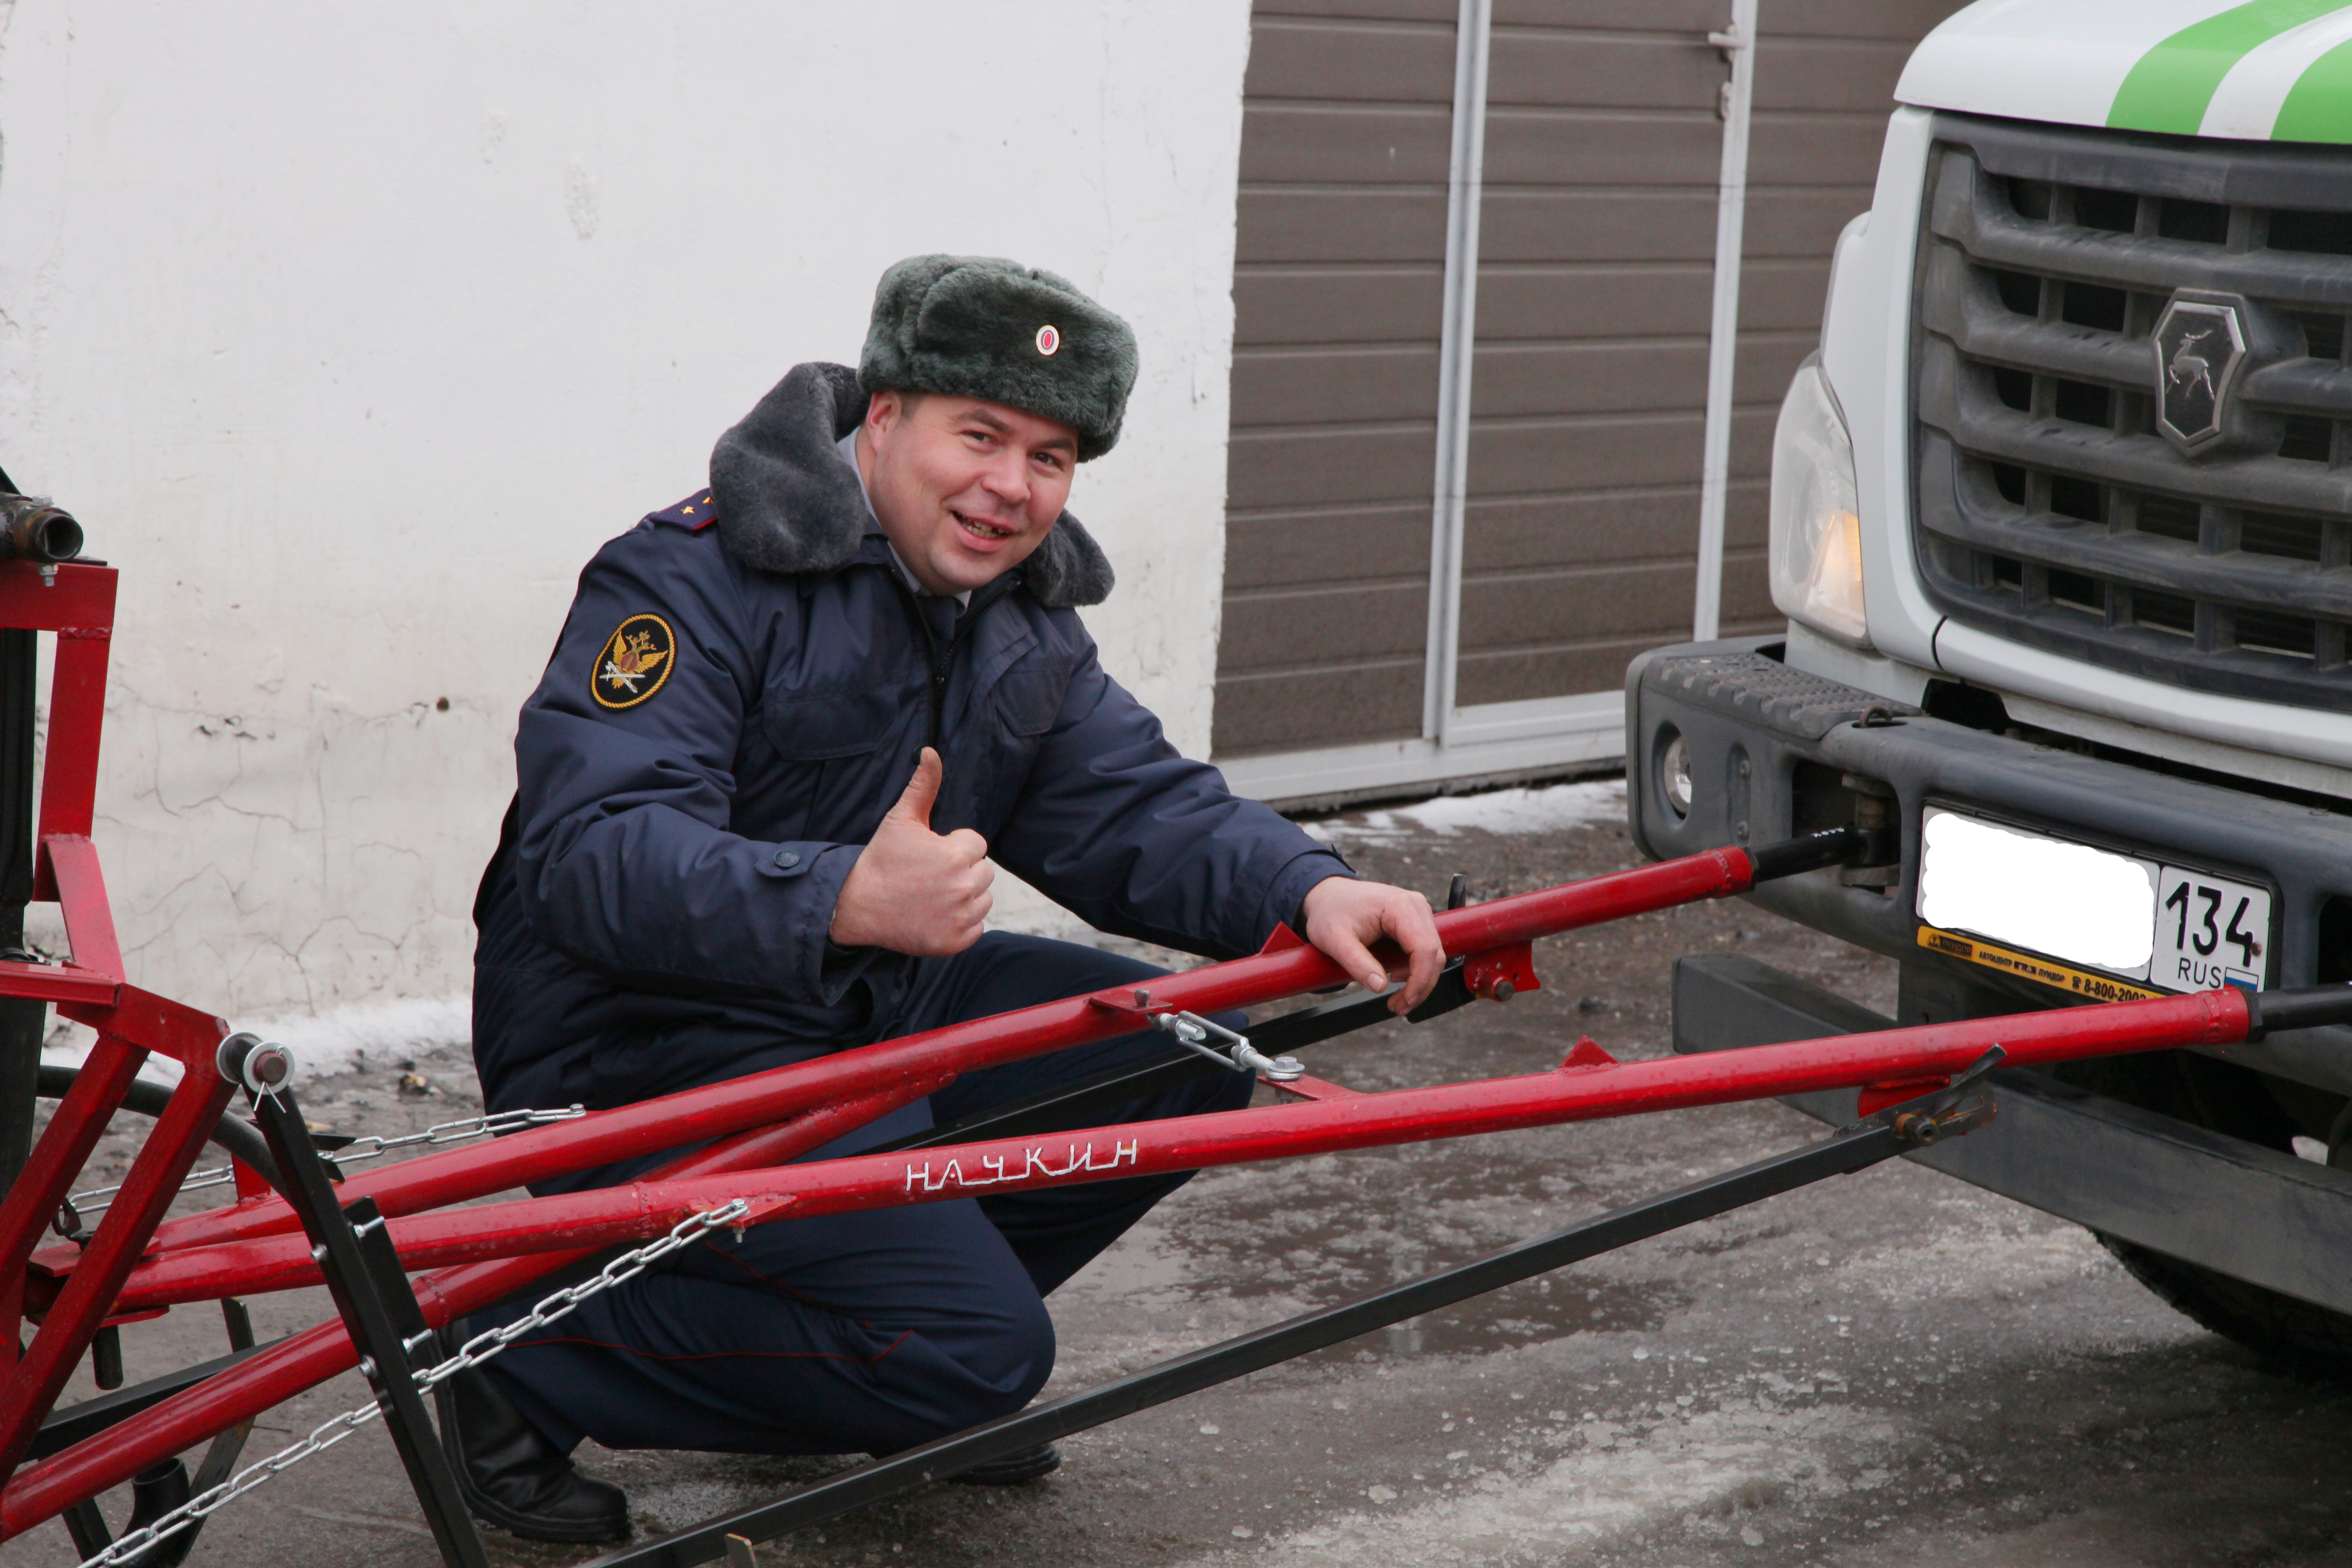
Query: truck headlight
x=1816, y=537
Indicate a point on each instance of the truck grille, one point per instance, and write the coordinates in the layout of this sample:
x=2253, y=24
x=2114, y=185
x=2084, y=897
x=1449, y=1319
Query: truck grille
x=2051, y=511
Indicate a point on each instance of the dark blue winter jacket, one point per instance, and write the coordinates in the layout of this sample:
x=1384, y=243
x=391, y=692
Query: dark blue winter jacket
x=740, y=693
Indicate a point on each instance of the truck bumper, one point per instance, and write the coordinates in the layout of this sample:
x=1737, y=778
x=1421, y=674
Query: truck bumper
x=1769, y=745
x=2233, y=1207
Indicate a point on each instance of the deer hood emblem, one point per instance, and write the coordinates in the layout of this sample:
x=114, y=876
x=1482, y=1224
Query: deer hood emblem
x=2201, y=346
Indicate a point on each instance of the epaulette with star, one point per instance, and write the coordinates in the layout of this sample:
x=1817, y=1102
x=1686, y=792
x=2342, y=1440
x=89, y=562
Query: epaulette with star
x=695, y=512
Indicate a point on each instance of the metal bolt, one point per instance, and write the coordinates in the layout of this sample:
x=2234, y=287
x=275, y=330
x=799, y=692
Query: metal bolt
x=263, y=1068
x=1503, y=990
x=367, y=1367
x=1740, y=832
x=1743, y=767
x=318, y=1255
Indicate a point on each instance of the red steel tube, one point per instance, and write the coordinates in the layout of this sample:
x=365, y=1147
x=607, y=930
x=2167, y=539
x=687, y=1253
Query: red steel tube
x=869, y=1181
x=110, y=1457
x=48, y=1176
x=154, y=1179
x=639, y=1210
x=459, y=1175
x=897, y=1070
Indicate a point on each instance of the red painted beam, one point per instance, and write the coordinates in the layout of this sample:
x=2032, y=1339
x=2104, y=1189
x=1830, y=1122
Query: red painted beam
x=57, y=982
x=82, y=895
x=1585, y=1089
x=112, y=1457
x=48, y=1175
x=80, y=597
x=460, y=1176
x=86, y=1299
x=69, y=765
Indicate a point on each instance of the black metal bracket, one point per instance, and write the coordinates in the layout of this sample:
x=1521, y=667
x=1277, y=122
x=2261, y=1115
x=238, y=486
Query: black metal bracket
x=2304, y=1007
x=22, y=1021
x=154, y=1492
x=1830, y=846
x=372, y=1293
x=1952, y=1112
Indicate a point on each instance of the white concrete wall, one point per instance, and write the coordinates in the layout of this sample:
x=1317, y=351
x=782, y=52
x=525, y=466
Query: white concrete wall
x=351, y=331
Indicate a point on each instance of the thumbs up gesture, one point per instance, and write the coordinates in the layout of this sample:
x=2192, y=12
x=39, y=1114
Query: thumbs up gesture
x=914, y=890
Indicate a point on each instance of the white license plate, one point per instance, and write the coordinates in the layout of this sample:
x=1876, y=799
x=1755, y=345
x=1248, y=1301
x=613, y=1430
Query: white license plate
x=2170, y=927
x=2209, y=933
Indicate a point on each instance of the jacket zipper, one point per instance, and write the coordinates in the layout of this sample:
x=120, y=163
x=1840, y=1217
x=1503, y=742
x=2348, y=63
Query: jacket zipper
x=942, y=660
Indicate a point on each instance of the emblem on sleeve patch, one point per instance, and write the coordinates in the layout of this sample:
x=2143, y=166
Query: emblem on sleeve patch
x=635, y=661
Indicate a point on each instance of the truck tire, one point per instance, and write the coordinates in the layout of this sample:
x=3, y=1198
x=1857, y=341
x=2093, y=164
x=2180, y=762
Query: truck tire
x=2294, y=1334
x=2236, y=1100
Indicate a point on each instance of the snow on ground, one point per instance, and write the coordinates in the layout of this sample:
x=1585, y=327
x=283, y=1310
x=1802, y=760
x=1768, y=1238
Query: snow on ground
x=1551, y=808
x=330, y=1042
x=1703, y=1472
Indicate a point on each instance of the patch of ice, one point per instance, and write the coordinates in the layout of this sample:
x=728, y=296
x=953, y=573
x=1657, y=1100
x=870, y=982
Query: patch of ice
x=1553, y=808
x=1705, y=1475
x=327, y=1042
x=1990, y=1247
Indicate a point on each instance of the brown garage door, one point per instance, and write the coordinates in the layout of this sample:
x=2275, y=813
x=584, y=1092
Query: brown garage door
x=1589, y=390
x=1602, y=152
x=1341, y=258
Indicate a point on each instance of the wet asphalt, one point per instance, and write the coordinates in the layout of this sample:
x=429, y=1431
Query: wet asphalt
x=1888, y=1367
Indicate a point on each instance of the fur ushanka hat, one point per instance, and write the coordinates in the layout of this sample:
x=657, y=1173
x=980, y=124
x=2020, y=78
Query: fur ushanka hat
x=980, y=326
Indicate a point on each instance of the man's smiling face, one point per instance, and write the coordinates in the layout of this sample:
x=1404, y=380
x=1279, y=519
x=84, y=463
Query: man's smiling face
x=964, y=490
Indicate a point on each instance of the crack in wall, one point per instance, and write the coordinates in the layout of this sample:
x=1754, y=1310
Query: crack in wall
x=248, y=875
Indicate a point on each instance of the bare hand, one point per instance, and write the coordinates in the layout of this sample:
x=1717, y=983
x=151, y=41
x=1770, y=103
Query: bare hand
x=914, y=890
x=1344, y=917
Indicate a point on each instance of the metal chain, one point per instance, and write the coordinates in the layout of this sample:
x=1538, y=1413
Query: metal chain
x=370, y=1147
x=475, y=1352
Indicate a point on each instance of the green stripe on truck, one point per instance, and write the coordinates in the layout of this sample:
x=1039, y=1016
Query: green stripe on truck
x=2170, y=86
x=2318, y=108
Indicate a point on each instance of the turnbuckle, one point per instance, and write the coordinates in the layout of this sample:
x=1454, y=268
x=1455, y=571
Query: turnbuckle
x=1195, y=1032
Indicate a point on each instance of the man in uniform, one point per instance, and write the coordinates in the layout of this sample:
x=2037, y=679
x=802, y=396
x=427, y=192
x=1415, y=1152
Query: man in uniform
x=787, y=720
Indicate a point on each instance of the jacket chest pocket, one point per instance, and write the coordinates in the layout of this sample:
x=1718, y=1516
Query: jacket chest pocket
x=1027, y=701
x=833, y=755
x=823, y=728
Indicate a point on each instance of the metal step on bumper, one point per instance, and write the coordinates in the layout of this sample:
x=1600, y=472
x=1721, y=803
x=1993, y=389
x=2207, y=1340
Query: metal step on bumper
x=2252, y=1212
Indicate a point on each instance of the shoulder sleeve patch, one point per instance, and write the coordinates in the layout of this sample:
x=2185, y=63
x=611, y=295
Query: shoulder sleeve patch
x=696, y=512
x=634, y=662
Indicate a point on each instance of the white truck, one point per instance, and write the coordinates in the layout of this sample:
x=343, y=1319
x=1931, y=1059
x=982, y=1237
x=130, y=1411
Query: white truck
x=2062, y=523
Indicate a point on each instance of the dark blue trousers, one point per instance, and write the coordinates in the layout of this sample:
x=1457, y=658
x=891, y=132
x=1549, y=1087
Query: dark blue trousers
x=874, y=1331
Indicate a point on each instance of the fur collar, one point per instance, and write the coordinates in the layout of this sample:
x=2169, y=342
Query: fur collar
x=787, y=503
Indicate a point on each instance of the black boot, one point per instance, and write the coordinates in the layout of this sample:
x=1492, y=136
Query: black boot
x=1014, y=1468
x=512, y=1476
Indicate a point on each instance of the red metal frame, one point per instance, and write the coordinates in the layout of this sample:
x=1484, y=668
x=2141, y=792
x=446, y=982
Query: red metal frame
x=753, y=1126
